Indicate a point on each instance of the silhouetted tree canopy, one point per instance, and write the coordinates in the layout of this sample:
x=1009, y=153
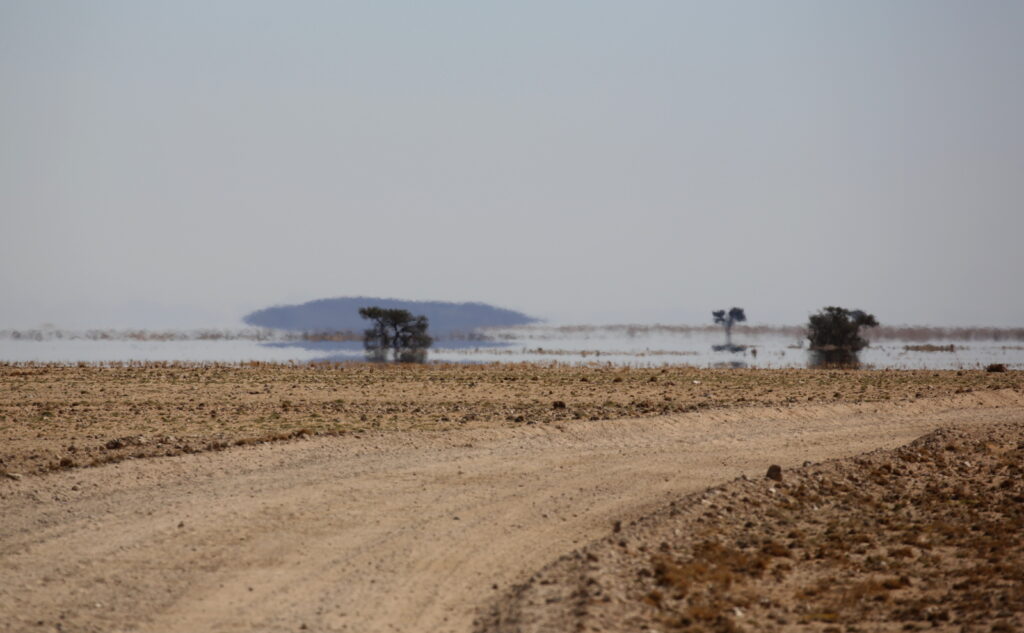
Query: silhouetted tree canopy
x=736, y=315
x=396, y=330
x=838, y=329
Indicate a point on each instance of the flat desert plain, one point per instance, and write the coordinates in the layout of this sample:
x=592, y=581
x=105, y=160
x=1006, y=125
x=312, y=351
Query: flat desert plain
x=508, y=497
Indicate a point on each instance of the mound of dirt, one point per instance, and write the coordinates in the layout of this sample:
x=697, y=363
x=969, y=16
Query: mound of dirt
x=927, y=536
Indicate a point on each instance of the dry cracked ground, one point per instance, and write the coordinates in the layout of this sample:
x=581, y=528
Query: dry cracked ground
x=508, y=498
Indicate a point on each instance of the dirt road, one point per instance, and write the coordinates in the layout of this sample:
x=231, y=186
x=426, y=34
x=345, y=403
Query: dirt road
x=400, y=531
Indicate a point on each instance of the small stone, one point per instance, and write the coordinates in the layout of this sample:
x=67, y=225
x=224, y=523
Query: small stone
x=14, y=476
x=774, y=472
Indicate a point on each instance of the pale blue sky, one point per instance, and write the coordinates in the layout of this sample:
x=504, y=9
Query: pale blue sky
x=181, y=163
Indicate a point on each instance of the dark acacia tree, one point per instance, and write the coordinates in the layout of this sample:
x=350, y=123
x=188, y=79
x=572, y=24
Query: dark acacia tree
x=395, y=331
x=736, y=315
x=834, y=334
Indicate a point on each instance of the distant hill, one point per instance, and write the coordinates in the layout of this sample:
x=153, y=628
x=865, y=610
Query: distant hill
x=342, y=313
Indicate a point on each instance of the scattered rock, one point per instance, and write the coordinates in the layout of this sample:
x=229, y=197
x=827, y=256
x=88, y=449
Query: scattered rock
x=836, y=543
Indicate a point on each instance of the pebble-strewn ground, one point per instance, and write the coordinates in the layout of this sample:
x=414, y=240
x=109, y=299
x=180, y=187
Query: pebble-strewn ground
x=54, y=416
x=926, y=537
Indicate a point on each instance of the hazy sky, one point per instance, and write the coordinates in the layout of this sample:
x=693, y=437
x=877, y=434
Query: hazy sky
x=177, y=164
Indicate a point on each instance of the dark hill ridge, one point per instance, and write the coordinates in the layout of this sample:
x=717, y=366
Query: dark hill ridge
x=342, y=313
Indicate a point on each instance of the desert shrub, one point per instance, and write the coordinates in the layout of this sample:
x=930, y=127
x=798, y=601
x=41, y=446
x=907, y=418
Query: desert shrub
x=930, y=348
x=835, y=328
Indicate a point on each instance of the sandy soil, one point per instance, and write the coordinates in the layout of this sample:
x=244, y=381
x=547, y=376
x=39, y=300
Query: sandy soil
x=54, y=417
x=420, y=530
x=924, y=537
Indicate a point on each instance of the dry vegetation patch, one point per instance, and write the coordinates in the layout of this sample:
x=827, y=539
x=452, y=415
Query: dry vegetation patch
x=926, y=537
x=58, y=416
x=929, y=347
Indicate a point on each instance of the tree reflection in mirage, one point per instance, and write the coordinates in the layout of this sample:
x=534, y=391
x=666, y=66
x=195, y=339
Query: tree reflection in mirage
x=397, y=331
x=835, y=338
